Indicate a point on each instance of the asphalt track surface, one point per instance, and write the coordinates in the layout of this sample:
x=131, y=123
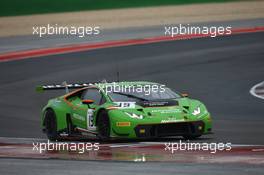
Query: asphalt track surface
x=62, y=167
x=18, y=43
x=218, y=71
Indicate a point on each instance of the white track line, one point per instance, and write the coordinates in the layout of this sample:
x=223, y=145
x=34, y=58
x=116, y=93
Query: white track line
x=253, y=90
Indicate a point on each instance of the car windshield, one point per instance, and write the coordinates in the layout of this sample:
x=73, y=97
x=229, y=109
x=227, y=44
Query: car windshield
x=146, y=95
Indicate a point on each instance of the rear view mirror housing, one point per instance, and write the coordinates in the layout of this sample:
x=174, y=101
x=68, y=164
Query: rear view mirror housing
x=185, y=95
x=87, y=102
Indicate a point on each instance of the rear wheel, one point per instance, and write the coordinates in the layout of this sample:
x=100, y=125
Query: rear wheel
x=103, y=125
x=51, y=125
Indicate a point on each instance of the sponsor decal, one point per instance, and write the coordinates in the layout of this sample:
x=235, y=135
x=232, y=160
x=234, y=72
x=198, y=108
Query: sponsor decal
x=159, y=103
x=78, y=117
x=120, y=124
x=166, y=111
x=171, y=120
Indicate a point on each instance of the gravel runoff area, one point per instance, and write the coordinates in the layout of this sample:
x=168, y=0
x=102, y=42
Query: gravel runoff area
x=136, y=17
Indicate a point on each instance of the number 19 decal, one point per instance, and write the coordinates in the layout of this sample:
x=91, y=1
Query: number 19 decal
x=126, y=104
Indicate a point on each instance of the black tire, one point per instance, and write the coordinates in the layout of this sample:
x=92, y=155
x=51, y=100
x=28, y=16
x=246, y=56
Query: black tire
x=51, y=125
x=103, y=125
x=191, y=137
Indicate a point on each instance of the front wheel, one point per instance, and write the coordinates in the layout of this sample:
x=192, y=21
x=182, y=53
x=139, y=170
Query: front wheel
x=103, y=125
x=51, y=125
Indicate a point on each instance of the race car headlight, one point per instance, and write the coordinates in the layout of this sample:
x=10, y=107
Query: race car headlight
x=133, y=115
x=196, y=111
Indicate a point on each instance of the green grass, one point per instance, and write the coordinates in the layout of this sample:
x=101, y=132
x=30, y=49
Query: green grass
x=26, y=7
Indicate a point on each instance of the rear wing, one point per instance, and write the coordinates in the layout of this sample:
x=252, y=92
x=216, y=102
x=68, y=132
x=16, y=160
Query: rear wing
x=64, y=85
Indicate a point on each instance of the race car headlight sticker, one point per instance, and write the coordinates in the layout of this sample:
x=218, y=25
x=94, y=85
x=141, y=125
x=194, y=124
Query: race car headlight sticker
x=196, y=111
x=133, y=115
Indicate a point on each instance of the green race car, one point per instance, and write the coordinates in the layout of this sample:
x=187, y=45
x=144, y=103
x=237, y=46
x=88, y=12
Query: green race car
x=129, y=110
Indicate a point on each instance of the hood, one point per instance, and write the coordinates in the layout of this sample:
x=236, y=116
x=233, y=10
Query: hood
x=163, y=110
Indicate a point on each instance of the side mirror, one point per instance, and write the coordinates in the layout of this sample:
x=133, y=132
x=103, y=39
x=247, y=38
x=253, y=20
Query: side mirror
x=185, y=95
x=87, y=102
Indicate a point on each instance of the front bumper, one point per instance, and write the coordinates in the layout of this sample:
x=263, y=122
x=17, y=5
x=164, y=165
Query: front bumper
x=155, y=130
x=170, y=129
x=125, y=127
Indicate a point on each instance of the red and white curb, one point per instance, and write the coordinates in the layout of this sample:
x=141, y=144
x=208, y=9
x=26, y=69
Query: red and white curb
x=133, y=152
x=19, y=55
x=258, y=90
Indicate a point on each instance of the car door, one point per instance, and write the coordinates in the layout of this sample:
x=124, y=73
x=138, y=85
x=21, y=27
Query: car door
x=88, y=110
